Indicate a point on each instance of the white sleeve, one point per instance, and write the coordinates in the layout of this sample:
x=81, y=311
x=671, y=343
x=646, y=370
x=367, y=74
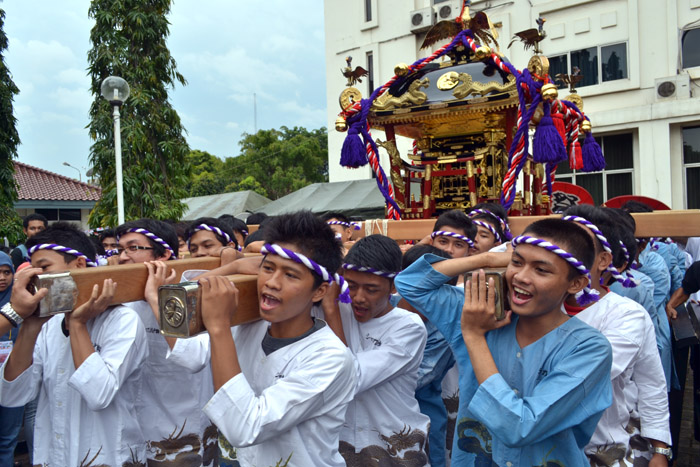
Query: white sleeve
x=25, y=388
x=626, y=339
x=122, y=352
x=192, y=353
x=314, y=387
x=403, y=349
x=652, y=399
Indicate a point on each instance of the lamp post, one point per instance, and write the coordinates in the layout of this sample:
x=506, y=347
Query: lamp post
x=116, y=91
x=80, y=174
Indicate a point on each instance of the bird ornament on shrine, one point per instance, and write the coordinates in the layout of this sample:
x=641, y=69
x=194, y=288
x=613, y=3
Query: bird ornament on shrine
x=353, y=76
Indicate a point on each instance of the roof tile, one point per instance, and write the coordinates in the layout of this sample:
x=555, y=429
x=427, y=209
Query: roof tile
x=39, y=184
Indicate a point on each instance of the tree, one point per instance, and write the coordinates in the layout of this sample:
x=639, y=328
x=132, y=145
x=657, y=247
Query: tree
x=10, y=223
x=129, y=40
x=280, y=161
x=206, y=176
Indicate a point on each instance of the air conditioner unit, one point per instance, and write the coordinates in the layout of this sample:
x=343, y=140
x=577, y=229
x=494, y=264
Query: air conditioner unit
x=421, y=20
x=447, y=11
x=673, y=87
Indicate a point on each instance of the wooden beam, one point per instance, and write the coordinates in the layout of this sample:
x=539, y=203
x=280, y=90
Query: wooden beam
x=652, y=224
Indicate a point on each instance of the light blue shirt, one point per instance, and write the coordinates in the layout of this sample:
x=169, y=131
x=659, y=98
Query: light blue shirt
x=545, y=402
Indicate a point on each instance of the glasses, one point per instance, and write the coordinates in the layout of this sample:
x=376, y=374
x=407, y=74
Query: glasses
x=132, y=249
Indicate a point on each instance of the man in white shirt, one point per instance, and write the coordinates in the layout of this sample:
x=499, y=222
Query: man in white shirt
x=384, y=420
x=84, y=365
x=170, y=404
x=283, y=384
x=637, y=376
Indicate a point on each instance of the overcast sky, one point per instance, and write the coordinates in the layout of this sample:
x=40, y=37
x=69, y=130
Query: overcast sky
x=227, y=50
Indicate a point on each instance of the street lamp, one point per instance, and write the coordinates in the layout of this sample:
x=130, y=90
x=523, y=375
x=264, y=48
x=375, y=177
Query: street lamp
x=80, y=174
x=116, y=91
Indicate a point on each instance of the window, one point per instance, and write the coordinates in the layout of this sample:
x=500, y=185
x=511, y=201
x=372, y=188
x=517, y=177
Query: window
x=596, y=64
x=691, y=166
x=690, y=52
x=60, y=214
x=616, y=179
x=370, y=72
x=368, y=11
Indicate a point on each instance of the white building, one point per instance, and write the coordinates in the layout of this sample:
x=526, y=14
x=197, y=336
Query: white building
x=640, y=60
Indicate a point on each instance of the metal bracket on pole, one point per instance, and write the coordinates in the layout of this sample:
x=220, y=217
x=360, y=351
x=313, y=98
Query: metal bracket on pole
x=62, y=296
x=179, y=306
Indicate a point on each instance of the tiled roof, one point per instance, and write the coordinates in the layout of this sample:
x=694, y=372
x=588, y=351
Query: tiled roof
x=39, y=184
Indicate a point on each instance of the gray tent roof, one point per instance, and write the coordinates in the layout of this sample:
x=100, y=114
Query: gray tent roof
x=224, y=203
x=356, y=198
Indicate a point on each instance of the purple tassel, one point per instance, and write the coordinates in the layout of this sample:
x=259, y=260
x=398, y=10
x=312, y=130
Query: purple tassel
x=353, y=154
x=547, y=146
x=344, y=297
x=593, y=160
x=587, y=296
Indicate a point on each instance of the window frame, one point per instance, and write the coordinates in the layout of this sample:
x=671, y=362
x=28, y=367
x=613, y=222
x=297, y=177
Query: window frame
x=691, y=165
x=680, y=46
x=599, y=49
x=570, y=177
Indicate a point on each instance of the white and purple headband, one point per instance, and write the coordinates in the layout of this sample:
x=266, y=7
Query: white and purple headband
x=153, y=237
x=502, y=223
x=488, y=227
x=213, y=229
x=61, y=249
x=275, y=249
x=625, y=281
x=444, y=233
x=354, y=225
x=377, y=272
x=588, y=294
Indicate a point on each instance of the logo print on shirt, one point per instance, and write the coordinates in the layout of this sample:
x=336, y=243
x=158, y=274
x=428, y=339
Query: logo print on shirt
x=279, y=376
x=98, y=347
x=376, y=342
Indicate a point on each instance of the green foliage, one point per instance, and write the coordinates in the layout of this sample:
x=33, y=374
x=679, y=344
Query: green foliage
x=129, y=40
x=272, y=163
x=11, y=225
x=9, y=140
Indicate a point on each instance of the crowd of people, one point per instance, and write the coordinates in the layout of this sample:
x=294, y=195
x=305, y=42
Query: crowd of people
x=367, y=353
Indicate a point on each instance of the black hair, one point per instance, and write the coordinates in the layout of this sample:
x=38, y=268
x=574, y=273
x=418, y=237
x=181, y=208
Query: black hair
x=256, y=218
x=239, y=226
x=67, y=235
x=569, y=236
x=256, y=236
x=377, y=252
x=498, y=211
x=335, y=215
x=97, y=243
x=310, y=235
x=227, y=220
x=418, y=251
x=160, y=228
x=34, y=217
x=603, y=220
x=213, y=223
x=181, y=229
x=456, y=219
x=636, y=206
x=105, y=234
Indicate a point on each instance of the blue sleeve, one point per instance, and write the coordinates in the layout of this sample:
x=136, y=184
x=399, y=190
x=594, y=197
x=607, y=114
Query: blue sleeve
x=426, y=290
x=574, y=393
x=655, y=267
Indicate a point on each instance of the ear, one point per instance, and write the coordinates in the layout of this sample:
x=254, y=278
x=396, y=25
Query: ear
x=80, y=263
x=602, y=261
x=165, y=256
x=231, y=244
x=577, y=284
x=392, y=289
x=320, y=292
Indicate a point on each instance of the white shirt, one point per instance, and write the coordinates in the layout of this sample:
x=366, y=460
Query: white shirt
x=384, y=413
x=170, y=406
x=85, y=414
x=636, y=363
x=289, y=405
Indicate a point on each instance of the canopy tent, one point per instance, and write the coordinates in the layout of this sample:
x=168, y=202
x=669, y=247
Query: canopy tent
x=356, y=198
x=224, y=203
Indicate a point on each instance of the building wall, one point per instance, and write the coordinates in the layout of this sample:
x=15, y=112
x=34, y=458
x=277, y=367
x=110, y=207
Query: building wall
x=651, y=30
